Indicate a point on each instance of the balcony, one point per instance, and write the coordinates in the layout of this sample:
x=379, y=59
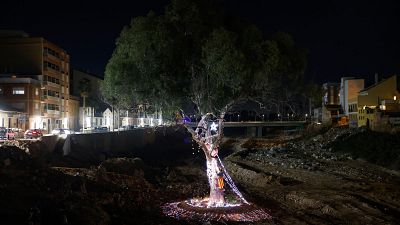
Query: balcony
x=51, y=84
x=47, y=68
x=52, y=56
x=48, y=97
x=51, y=113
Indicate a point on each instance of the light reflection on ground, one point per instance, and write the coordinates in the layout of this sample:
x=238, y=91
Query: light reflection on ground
x=198, y=209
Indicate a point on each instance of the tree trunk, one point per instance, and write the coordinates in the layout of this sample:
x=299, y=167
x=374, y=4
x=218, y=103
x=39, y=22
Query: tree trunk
x=208, y=135
x=216, y=198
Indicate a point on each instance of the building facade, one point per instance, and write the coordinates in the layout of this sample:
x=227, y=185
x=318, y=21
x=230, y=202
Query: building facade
x=349, y=89
x=80, y=79
x=38, y=59
x=379, y=104
x=73, y=112
x=21, y=96
x=330, y=103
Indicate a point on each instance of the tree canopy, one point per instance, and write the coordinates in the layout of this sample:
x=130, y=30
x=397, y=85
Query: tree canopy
x=196, y=55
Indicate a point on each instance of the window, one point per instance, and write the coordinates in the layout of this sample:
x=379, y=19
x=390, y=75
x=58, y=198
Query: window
x=18, y=91
x=51, y=93
x=51, y=52
x=52, y=79
x=51, y=107
x=36, y=106
x=52, y=66
x=37, y=91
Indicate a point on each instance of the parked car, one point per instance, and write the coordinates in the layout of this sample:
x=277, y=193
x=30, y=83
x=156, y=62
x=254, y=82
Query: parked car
x=33, y=133
x=59, y=131
x=16, y=129
x=87, y=130
x=6, y=133
x=128, y=127
x=100, y=129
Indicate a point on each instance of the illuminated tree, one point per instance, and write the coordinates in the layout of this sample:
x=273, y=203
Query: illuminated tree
x=195, y=55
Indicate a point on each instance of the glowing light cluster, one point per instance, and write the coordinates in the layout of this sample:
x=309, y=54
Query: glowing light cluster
x=216, y=207
x=237, y=212
x=230, y=182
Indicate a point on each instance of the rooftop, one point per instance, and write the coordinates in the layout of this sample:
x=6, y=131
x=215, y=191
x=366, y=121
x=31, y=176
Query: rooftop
x=382, y=81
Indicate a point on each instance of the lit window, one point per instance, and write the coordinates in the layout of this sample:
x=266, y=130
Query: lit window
x=36, y=106
x=37, y=91
x=18, y=91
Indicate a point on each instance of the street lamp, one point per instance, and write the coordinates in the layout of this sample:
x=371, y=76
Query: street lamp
x=263, y=117
x=238, y=117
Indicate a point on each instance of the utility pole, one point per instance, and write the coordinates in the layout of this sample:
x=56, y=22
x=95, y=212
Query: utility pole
x=309, y=104
x=83, y=112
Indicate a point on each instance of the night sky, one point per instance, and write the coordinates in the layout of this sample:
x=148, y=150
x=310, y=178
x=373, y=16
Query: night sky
x=344, y=38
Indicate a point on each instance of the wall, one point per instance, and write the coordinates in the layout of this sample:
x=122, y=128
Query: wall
x=73, y=113
x=24, y=103
x=352, y=88
x=383, y=90
x=28, y=51
x=89, y=149
x=95, y=81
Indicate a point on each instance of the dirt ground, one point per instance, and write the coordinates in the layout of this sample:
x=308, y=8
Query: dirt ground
x=298, y=181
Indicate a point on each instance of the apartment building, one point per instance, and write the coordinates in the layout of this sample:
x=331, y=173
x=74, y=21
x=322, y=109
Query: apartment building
x=349, y=89
x=19, y=97
x=45, y=64
x=379, y=104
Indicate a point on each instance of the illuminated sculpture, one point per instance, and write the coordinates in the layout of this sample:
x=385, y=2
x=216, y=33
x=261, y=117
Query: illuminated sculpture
x=208, y=135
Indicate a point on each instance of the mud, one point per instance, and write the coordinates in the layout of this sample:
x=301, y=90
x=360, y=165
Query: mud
x=298, y=181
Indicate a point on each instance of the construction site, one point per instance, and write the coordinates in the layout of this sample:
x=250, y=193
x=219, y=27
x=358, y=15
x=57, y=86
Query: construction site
x=329, y=177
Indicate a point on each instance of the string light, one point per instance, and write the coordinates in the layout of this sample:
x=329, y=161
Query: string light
x=214, y=126
x=219, y=209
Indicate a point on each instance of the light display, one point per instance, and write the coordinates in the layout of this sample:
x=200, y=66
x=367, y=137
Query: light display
x=208, y=135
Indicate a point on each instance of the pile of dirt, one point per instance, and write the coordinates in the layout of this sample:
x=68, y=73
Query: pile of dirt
x=309, y=181
x=375, y=147
x=127, y=166
x=13, y=157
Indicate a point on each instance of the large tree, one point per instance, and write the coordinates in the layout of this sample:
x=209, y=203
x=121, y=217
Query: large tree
x=195, y=55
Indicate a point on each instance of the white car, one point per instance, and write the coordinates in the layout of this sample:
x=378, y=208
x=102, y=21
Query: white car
x=59, y=131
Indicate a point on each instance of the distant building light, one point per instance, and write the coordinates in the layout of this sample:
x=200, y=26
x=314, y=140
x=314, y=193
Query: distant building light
x=66, y=122
x=88, y=122
x=395, y=97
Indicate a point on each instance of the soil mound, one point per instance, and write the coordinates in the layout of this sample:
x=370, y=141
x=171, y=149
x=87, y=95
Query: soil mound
x=375, y=147
x=13, y=157
x=127, y=166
